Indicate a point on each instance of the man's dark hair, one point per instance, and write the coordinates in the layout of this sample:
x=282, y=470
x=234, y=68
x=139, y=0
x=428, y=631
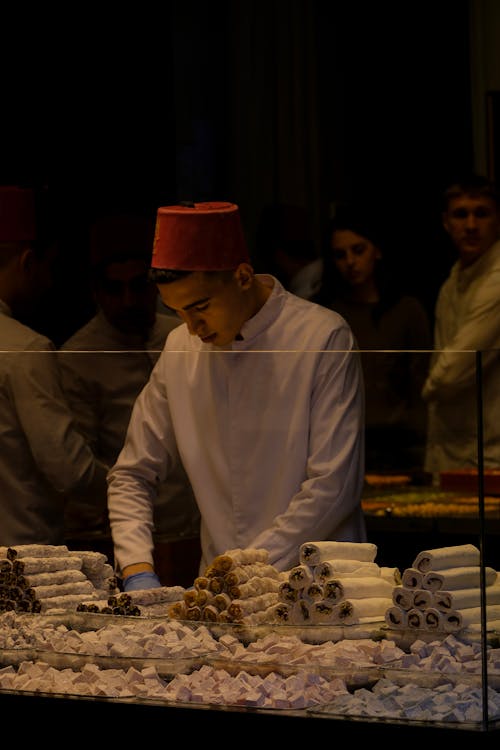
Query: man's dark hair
x=474, y=185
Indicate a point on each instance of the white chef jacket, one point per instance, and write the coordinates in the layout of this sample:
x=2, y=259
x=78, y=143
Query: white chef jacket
x=103, y=371
x=467, y=321
x=270, y=432
x=42, y=455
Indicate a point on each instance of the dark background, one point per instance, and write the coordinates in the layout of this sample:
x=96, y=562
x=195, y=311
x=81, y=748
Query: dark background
x=125, y=110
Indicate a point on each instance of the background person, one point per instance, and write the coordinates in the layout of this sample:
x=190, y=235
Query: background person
x=467, y=320
x=390, y=325
x=104, y=365
x=259, y=394
x=42, y=454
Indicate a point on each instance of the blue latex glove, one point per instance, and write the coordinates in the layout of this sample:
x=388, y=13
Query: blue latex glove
x=141, y=581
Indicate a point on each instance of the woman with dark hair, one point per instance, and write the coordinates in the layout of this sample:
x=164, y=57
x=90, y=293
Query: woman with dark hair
x=389, y=325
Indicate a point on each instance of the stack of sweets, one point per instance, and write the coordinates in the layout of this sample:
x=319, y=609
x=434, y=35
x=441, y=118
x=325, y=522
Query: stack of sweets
x=441, y=591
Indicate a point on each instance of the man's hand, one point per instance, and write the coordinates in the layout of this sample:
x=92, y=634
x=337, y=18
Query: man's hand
x=140, y=581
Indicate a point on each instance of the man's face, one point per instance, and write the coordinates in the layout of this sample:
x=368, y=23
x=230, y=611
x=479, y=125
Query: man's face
x=212, y=305
x=473, y=224
x=127, y=297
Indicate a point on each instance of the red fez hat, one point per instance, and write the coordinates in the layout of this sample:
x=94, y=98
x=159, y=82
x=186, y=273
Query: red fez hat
x=199, y=237
x=17, y=214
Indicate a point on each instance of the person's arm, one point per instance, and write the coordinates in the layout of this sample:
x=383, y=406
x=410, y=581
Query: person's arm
x=133, y=481
x=59, y=449
x=453, y=367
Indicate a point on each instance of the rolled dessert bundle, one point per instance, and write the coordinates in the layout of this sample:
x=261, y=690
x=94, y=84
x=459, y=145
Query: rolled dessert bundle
x=463, y=618
x=239, y=608
x=415, y=618
x=433, y=619
x=462, y=555
x=28, y=565
x=34, y=550
x=354, y=611
x=222, y=601
x=412, y=578
x=204, y=598
x=445, y=601
x=331, y=568
x=286, y=592
x=313, y=553
x=300, y=613
x=243, y=573
x=314, y=592
x=233, y=557
x=279, y=613
x=422, y=598
x=300, y=576
x=53, y=578
x=458, y=578
x=396, y=617
x=210, y=613
x=402, y=597
x=59, y=589
x=345, y=587
x=254, y=586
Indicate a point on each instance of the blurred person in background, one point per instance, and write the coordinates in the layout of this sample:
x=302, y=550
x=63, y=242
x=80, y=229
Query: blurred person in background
x=105, y=365
x=388, y=323
x=467, y=320
x=43, y=456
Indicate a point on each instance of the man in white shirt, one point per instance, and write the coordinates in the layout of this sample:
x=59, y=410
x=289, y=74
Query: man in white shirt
x=260, y=394
x=467, y=322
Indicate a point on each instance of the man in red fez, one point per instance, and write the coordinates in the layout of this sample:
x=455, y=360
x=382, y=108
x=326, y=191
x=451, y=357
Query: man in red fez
x=258, y=392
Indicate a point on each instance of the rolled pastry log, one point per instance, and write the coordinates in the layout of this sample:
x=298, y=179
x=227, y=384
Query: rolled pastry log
x=286, y=593
x=254, y=586
x=234, y=557
x=243, y=573
x=332, y=568
x=462, y=618
x=53, y=578
x=457, y=578
x=60, y=589
x=415, y=618
x=445, y=601
x=159, y=595
x=402, y=597
x=352, y=611
x=222, y=600
x=279, y=613
x=177, y=611
x=300, y=576
x=412, y=578
x=345, y=587
x=65, y=602
x=462, y=555
x=300, y=613
x=28, y=565
x=396, y=617
x=313, y=553
x=422, y=598
x=314, y=591
x=433, y=619
x=241, y=607
x=34, y=550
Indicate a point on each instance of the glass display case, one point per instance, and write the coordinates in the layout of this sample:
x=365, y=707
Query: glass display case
x=428, y=663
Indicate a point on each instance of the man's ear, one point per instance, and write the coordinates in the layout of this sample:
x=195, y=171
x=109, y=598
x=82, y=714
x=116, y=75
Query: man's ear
x=27, y=260
x=244, y=275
